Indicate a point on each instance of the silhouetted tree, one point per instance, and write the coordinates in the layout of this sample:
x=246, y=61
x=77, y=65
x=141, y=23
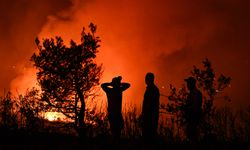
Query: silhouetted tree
x=211, y=87
x=67, y=75
x=206, y=81
x=23, y=111
x=30, y=108
x=8, y=113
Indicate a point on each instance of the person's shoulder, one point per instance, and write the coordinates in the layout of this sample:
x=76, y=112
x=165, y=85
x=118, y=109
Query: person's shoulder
x=156, y=88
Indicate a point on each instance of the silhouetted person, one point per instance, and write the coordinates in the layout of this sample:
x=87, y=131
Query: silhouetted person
x=114, y=91
x=193, y=110
x=150, y=109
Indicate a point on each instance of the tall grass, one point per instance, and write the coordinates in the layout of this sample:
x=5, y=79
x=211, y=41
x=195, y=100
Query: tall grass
x=24, y=113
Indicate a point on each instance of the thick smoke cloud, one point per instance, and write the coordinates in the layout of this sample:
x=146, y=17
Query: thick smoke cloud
x=166, y=37
x=21, y=21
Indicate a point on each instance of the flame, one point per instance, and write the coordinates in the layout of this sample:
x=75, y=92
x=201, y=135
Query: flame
x=54, y=116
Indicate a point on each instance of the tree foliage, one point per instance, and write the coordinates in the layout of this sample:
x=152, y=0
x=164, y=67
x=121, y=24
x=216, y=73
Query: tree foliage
x=206, y=81
x=67, y=74
x=24, y=111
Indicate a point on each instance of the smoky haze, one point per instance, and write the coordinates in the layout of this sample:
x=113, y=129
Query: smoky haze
x=166, y=37
x=21, y=21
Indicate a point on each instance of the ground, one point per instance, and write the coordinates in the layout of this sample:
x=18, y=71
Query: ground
x=44, y=141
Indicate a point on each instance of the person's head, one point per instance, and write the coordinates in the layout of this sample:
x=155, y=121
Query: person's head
x=191, y=83
x=149, y=79
x=116, y=81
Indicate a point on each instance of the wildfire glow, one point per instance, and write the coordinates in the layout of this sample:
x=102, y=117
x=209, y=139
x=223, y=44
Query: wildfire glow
x=136, y=37
x=54, y=116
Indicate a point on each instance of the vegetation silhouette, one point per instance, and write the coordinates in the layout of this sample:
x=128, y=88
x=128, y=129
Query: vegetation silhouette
x=178, y=100
x=231, y=128
x=24, y=126
x=150, y=109
x=67, y=75
x=114, y=90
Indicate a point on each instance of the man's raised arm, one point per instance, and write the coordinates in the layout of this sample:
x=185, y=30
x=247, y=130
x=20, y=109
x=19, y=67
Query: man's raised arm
x=125, y=86
x=105, y=86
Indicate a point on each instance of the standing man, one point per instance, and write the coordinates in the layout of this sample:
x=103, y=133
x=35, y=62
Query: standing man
x=193, y=110
x=114, y=91
x=150, y=109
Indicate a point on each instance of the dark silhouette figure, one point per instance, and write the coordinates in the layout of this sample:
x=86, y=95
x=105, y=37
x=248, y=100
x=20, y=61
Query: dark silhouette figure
x=193, y=110
x=150, y=109
x=114, y=91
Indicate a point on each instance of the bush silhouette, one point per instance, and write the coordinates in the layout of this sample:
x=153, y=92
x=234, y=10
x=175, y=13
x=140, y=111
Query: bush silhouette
x=210, y=87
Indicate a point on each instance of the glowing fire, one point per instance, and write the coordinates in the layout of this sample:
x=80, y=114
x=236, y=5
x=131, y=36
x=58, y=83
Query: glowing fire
x=54, y=116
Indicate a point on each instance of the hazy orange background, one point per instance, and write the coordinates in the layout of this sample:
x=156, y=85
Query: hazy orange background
x=166, y=37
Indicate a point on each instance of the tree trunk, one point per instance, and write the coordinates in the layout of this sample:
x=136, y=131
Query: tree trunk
x=76, y=112
x=81, y=114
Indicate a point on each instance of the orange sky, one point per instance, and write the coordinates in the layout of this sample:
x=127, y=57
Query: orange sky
x=162, y=36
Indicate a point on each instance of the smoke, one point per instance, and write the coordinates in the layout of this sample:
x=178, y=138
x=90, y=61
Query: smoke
x=21, y=22
x=166, y=37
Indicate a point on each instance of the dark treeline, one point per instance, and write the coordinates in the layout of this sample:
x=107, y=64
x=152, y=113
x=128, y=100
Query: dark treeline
x=67, y=77
x=22, y=120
